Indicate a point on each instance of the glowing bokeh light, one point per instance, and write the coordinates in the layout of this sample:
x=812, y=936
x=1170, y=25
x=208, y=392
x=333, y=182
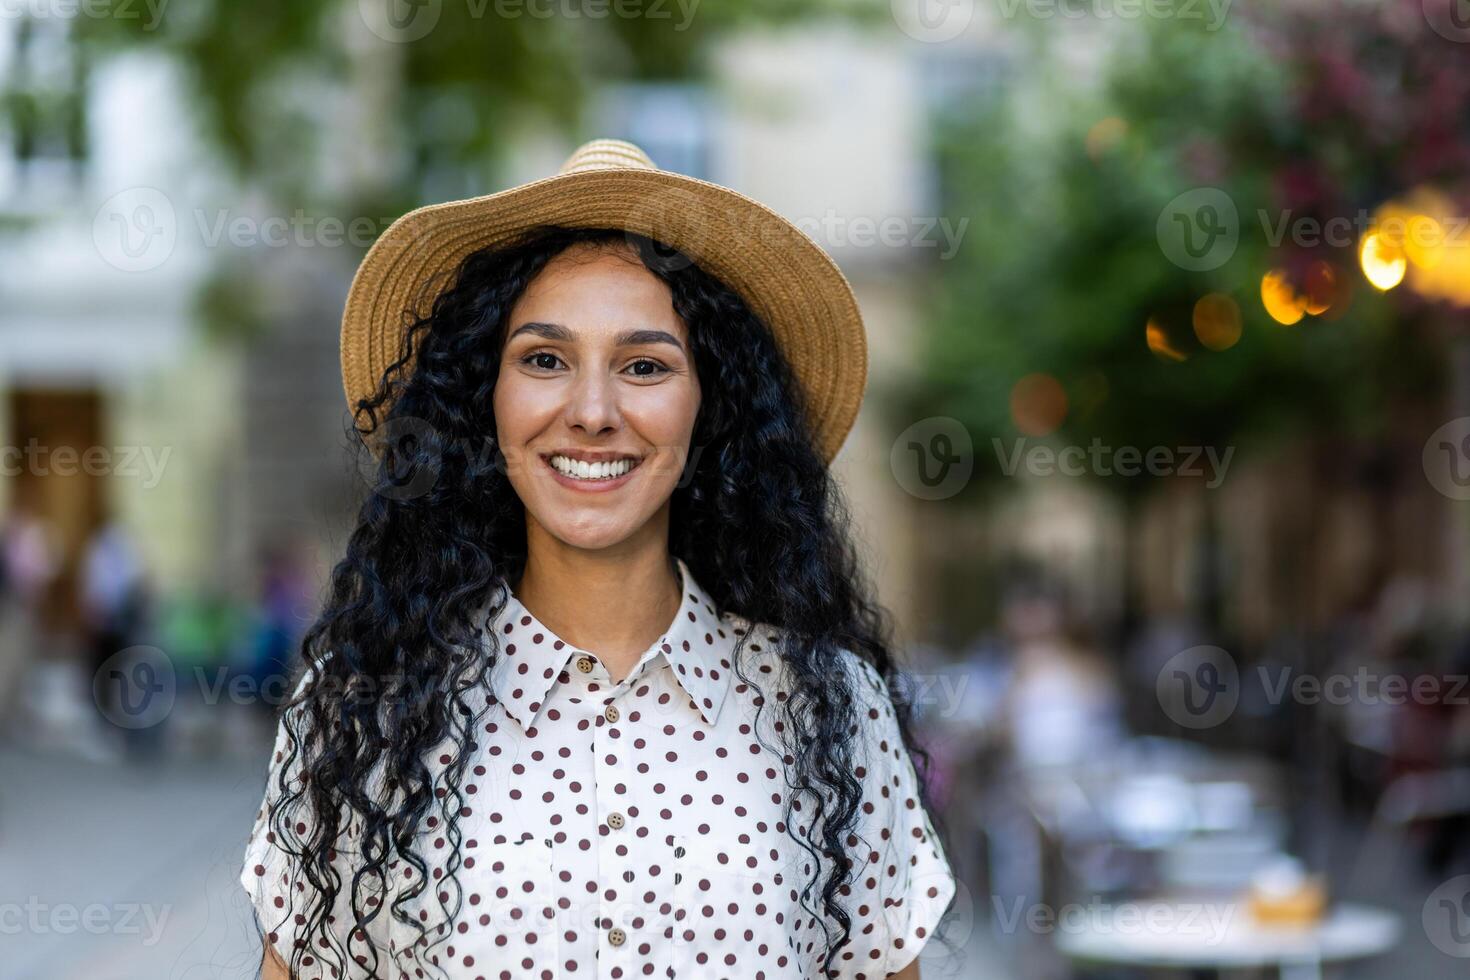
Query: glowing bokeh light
x=1280, y=299
x=1321, y=288
x=1424, y=242
x=1428, y=225
x=1158, y=342
x=1038, y=404
x=1104, y=135
x=1217, y=321
x=1383, y=260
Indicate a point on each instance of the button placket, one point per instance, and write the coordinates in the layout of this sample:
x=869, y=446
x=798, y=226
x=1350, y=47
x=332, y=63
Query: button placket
x=614, y=871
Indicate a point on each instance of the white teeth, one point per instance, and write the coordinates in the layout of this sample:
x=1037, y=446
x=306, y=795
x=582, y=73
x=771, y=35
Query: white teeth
x=581, y=470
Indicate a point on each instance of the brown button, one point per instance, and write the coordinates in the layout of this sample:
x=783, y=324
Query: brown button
x=584, y=664
x=615, y=820
x=616, y=936
x=611, y=714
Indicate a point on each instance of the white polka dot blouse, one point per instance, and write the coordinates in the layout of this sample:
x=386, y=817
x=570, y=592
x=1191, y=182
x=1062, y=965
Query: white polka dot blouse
x=616, y=831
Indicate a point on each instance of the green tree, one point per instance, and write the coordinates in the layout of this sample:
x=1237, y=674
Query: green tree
x=1063, y=271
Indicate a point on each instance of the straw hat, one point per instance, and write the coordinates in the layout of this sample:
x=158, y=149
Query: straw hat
x=784, y=276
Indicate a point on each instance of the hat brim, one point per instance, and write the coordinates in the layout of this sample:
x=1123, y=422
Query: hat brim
x=786, y=279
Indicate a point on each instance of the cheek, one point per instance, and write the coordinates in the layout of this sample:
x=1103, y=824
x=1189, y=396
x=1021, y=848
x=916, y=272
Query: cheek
x=520, y=409
x=663, y=415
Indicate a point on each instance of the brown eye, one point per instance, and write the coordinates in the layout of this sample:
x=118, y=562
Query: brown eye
x=542, y=360
x=644, y=368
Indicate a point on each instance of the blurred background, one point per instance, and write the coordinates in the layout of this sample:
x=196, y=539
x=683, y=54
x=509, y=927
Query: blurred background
x=1163, y=470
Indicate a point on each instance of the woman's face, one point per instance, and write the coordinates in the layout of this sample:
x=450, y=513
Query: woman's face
x=596, y=400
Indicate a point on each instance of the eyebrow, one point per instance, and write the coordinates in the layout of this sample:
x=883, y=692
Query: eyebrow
x=628, y=338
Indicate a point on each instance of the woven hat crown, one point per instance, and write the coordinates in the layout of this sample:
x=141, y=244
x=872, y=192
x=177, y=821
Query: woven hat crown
x=607, y=154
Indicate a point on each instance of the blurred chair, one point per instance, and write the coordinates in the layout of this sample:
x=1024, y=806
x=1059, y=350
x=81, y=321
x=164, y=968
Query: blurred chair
x=1410, y=799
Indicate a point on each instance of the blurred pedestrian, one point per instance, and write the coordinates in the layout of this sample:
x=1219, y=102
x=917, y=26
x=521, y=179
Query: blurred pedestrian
x=286, y=606
x=112, y=601
x=31, y=562
x=1064, y=706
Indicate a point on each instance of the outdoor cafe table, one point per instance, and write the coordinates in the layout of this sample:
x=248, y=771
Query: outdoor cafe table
x=1212, y=937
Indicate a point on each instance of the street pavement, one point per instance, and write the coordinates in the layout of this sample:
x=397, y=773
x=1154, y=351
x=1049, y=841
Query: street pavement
x=111, y=870
x=117, y=871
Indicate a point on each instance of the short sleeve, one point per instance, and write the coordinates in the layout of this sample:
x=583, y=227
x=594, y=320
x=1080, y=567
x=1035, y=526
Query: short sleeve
x=272, y=875
x=904, y=883
x=268, y=872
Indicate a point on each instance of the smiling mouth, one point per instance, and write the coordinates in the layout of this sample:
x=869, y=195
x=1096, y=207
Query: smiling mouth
x=578, y=469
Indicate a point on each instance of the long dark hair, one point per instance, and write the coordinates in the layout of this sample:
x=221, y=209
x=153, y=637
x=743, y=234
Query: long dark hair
x=757, y=518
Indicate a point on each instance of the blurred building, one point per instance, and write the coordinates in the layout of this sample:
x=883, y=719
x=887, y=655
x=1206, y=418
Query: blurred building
x=118, y=395
x=213, y=439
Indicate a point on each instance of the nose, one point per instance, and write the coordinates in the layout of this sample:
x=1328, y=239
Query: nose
x=592, y=404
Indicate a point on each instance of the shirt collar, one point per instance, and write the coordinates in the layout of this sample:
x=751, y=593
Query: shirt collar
x=696, y=645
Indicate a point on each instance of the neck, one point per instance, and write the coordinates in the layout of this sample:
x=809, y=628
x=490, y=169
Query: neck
x=612, y=603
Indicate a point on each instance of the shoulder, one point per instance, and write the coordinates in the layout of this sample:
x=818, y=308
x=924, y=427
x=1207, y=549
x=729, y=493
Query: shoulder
x=765, y=662
x=865, y=679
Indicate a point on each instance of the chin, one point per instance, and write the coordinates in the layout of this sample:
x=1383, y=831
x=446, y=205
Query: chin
x=590, y=536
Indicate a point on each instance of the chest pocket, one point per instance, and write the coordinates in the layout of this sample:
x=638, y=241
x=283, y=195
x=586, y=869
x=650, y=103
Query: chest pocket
x=736, y=915
x=509, y=914
x=506, y=917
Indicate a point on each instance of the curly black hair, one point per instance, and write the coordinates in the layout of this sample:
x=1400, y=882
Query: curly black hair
x=441, y=531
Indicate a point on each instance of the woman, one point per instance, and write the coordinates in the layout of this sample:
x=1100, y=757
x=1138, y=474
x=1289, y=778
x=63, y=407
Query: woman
x=597, y=691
